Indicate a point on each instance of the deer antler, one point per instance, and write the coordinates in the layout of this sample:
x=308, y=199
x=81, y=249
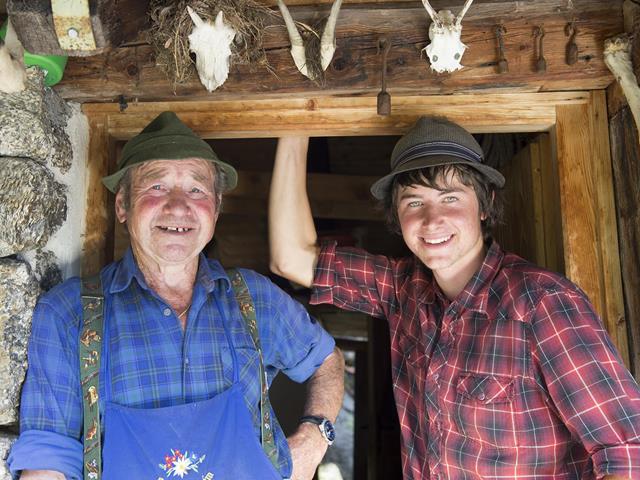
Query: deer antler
x=463, y=12
x=328, y=40
x=432, y=13
x=297, y=45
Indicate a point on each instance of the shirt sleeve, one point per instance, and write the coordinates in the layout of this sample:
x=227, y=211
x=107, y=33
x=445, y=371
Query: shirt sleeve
x=595, y=395
x=353, y=279
x=292, y=341
x=51, y=404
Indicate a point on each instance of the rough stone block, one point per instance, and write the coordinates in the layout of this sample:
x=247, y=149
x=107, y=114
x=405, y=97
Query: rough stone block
x=6, y=441
x=32, y=205
x=32, y=124
x=18, y=294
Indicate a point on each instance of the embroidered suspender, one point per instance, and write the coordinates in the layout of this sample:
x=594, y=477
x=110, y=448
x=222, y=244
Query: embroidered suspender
x=245, y=302
x=90, y=350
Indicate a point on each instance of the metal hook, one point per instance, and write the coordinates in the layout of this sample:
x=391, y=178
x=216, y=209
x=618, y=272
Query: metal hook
x=503, y=65
x=541, y=63
x=571, y=53
x=384, y=99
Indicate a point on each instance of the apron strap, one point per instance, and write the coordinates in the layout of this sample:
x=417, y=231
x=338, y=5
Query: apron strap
x=248, y=311
x=90, y=350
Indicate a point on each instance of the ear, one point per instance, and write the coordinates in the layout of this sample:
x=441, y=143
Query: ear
x=121, y=212
x=483, y=215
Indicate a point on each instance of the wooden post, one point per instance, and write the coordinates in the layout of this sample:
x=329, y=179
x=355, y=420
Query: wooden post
x=589, y=226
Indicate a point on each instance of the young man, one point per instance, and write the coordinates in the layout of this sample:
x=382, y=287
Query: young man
x=501, y=369
x=181, y=380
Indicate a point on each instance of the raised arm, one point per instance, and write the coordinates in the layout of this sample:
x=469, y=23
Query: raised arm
x=292, y=234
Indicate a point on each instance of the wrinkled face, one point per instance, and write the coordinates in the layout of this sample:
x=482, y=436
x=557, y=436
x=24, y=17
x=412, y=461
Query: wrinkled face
x=442, y=227
x=211, y=42
x=172, y=213
x=446, y=49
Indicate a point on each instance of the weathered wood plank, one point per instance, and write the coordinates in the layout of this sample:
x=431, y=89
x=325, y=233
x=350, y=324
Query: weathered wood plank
x=344, y=116
x=626, y=167
x=112, y=24
x=588, y=214
x=356, y=67
x=98, y=214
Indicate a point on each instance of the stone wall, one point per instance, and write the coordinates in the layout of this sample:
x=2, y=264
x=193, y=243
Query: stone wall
x=43, y=144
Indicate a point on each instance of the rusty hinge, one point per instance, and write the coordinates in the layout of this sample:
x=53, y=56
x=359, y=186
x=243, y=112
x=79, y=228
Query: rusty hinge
x=73, y=24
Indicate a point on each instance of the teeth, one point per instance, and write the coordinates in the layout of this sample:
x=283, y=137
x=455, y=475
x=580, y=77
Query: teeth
x=175, y=229
x=437, y=241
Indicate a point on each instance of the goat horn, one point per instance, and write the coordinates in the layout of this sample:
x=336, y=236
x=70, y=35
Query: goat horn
x=297, y=45
x=463, y=12
x=432, y=13
x=197, y=21
x=328, y=40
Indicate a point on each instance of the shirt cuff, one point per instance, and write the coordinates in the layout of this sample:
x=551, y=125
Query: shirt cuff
x=324, y=275
x=321, y=350
x=43, y=450
x=623, y=460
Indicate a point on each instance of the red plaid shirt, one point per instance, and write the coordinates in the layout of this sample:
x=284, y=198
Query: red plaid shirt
x=515, y=378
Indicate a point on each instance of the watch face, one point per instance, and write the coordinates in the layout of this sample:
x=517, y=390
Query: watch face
x=329, y=431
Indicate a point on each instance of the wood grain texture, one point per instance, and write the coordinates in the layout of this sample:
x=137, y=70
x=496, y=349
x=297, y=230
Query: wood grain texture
x=626, y=167
x=355, y=70
x=588, y=213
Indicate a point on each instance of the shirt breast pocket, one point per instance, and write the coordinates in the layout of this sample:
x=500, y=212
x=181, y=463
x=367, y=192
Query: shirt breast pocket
x=484, y=409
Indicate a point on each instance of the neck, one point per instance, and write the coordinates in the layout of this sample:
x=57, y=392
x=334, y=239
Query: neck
x=452, y=280
x=173, y=283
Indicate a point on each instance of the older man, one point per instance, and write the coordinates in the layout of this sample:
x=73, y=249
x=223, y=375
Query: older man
x=183, y=357
x=501, y=369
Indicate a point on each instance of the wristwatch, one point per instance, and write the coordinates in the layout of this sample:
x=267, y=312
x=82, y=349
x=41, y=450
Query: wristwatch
x=324, y=424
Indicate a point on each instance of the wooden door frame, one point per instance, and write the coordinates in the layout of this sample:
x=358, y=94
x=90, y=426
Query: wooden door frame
x=577, y=122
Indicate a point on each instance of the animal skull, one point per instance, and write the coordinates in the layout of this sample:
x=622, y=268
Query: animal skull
x=211, y=42
x=446, y=49
x=327, y=41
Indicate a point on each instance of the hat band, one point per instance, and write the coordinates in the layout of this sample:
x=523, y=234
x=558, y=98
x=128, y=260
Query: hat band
x=438, y=148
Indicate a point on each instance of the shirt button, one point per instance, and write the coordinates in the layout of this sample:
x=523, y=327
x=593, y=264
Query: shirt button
x=481, y=397
x=166, y=312
x=436, y=376
x=186, y=361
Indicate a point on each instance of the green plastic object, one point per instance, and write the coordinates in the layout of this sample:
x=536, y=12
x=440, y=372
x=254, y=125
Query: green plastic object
x=53, y=65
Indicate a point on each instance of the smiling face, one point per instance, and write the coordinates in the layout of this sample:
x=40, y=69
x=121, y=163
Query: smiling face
x=442, y=227
x=172, y=212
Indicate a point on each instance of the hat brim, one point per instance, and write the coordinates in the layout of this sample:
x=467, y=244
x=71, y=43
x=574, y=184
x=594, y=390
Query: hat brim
x=381, y=187
x=112, y=181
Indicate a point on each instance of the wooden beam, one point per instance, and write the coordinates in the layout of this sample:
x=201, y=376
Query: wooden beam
x=343, y=197
x=131, y=71
x=588, y=213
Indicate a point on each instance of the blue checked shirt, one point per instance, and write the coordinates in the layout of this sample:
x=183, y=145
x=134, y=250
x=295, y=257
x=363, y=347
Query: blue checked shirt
x=151, y=362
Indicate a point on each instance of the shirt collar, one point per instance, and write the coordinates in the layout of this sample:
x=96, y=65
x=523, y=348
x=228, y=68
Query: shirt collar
x=476, y=293
x=209, y=272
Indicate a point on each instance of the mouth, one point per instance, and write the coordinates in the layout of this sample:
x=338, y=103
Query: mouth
x=437, y=241
x=175, y=229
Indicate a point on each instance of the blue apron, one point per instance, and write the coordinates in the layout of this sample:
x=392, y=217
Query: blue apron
x=212, y=439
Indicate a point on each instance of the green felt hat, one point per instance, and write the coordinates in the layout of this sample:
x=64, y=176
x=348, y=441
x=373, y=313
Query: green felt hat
x=167, y=138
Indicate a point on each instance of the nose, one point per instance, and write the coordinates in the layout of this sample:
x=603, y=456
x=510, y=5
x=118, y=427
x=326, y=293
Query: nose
x=431, y=216
x=176, y=202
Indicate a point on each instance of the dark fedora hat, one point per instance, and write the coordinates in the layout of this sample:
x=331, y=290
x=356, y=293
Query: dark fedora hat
x=167, y=138
x=431, y=142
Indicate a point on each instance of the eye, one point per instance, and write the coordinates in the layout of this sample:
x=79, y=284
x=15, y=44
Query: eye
x=156, y=187
x=196, y=190
x=450, y=199
x=414, y=203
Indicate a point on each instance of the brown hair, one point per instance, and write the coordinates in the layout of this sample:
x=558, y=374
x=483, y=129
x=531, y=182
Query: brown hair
x=488, y=195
